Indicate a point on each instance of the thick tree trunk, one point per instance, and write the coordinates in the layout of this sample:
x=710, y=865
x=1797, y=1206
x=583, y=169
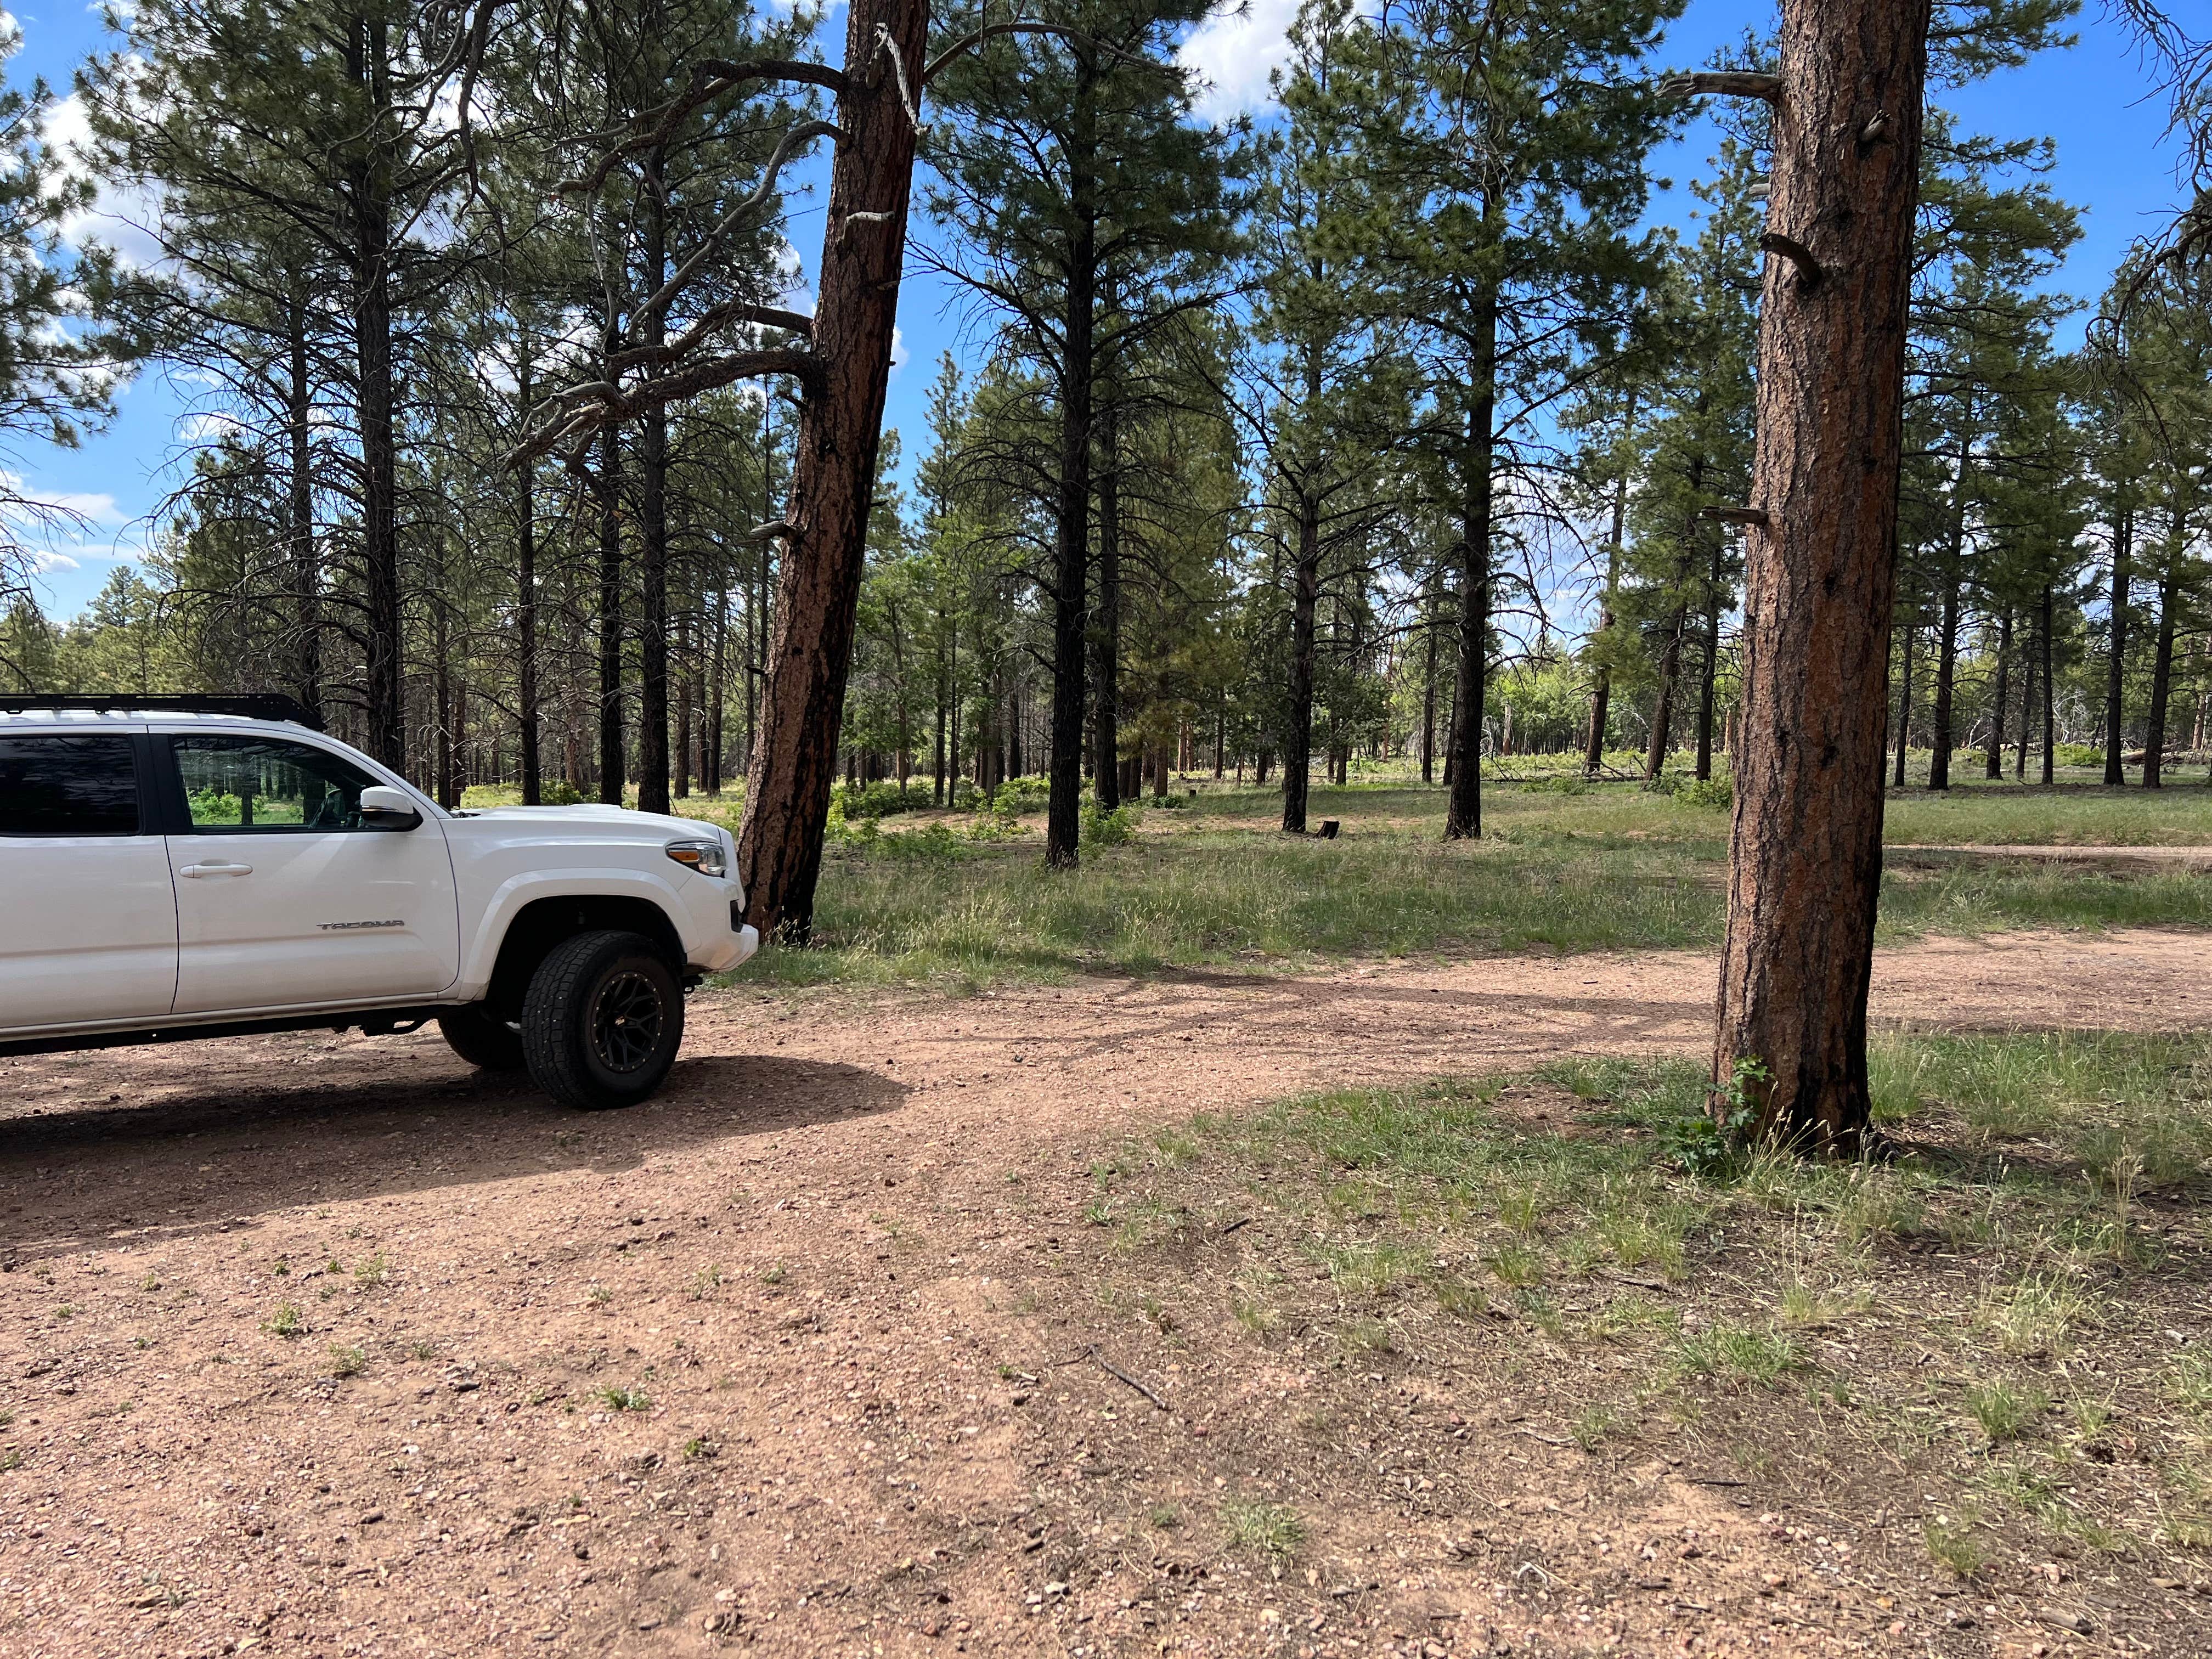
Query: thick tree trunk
x=1463, y=809
x=1805, y=866
x=614, y=771
x=794, y=756
x=2116, y=660
x=1106, y=641
x=1298, y=738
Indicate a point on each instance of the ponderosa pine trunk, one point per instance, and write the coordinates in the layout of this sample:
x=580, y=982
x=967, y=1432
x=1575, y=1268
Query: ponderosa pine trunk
x=653, y=768
x=607, y=484
x=2161, y=666
x=794, y=754
x=1463, y=779
x=1601, y=692
x=2050, y=700
x=1305, y=597
x=529, y=715
x=2116, y=658
x=1995, y=756
x=306, y=588
x=1106, y=643
x=1946, y=638
x=1805, y=854
x=1905, y=704
x=1071, y=526
x=1663, y=700
x=380, y=479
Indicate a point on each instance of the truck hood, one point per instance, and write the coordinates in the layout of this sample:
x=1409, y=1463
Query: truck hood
x=597, y=819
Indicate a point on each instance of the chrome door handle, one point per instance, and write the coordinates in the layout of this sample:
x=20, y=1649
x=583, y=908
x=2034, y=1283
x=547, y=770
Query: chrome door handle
x=196, y=871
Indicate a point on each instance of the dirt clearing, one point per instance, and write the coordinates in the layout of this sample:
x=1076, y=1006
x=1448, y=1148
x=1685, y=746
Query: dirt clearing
x=328, y=1347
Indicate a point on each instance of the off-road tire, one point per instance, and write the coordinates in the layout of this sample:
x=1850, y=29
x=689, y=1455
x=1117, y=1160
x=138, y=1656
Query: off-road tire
x=482, y=1038
x=602, y=1020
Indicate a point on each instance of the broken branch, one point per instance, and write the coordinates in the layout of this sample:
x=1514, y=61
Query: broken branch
x=1721, y=83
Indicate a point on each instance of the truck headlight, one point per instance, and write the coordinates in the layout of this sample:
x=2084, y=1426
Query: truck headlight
x=704, y=856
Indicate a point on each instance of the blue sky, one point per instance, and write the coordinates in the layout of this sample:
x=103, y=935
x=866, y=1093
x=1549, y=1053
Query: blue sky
x=2097, y=101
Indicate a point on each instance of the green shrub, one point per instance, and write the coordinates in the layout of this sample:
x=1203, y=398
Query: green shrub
x=1108, y=829
x=2076, y=754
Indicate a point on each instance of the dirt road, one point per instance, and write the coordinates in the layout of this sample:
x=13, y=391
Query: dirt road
x=329, y=1346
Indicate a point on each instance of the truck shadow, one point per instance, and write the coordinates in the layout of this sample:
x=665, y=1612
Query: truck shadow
x=240, y=1133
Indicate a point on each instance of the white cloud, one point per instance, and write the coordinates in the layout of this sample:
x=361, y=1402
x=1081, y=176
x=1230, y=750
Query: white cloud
x=99, y=508
x=1235, y=51
x=121, y=217
x=898, y=349
x=43, y=562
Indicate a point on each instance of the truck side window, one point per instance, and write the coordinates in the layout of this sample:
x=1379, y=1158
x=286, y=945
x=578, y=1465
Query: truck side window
x=267, y=785
x=67, y=786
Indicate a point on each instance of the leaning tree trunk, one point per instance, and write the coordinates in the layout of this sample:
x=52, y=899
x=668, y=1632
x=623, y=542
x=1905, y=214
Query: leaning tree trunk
x=1297, y=734
x=794, y=754
x=1805, y=859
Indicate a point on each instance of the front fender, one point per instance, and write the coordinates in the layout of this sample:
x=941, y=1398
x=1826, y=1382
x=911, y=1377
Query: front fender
x=480, y=952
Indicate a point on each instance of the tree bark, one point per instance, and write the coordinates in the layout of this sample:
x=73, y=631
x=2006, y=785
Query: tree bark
x=1805, y=864
x=370, y=209
x=2161, y=668
x=1995, y=758
x=1905, y=704
x=1298, y=737
x=2124, y=533
x=652, y=769
x=1106, y=643
x=2049, y=698
x=306, y=597
x=1602, y=693
x=1663, y=700
x=794, y=754
x=1463, y=809
x=1947, y=639
x=1428, y=685
x=614, y=771
x=529, y=715
x=1071, y=527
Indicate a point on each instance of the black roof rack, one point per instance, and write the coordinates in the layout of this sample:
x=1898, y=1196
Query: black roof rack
x=248, y=705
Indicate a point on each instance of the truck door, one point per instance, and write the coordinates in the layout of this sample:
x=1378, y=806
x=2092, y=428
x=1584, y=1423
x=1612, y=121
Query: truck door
x=90, y=931
x=284, y=899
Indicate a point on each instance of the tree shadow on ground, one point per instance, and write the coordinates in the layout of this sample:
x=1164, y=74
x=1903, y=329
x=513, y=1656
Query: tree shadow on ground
x=241, y=1135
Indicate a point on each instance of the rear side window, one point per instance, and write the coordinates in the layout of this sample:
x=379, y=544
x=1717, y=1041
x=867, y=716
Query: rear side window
x=67, y=786
x=268, y=785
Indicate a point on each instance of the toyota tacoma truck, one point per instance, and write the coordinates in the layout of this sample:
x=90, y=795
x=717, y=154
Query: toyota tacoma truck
x=179, y=867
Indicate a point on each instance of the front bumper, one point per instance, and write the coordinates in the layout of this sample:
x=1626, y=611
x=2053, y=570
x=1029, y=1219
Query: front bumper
x=727, y=951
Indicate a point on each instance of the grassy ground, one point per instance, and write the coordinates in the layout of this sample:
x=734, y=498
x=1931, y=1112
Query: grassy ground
x=2001, y=1339
x=959, y=899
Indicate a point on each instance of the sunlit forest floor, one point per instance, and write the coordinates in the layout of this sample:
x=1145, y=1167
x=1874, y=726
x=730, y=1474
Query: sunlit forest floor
x=959, y=898
x=1393, y=1307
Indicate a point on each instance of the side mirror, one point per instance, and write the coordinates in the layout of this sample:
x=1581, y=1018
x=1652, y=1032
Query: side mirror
x=385, y=808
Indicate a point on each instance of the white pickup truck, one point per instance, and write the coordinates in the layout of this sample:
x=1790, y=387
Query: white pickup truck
x=175, y=867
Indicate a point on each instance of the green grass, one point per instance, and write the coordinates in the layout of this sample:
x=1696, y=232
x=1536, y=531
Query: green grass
x=962, y=901
x=1983, y=1328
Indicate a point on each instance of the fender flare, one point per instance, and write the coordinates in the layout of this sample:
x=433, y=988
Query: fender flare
x=481, y=955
